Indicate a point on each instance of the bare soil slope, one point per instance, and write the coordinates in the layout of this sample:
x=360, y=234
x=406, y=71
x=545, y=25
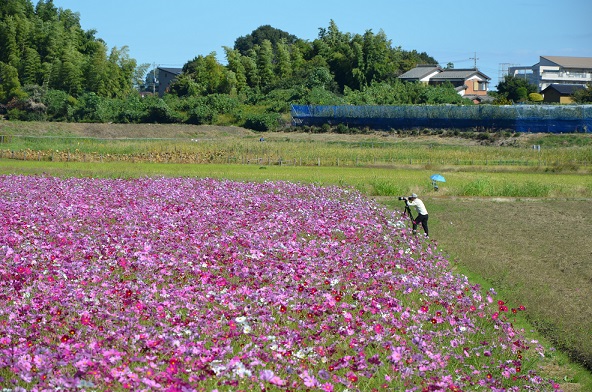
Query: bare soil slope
x=109, y=131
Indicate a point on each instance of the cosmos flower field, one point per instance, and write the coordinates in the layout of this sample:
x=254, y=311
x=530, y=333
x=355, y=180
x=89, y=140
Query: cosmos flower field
x=180, y=284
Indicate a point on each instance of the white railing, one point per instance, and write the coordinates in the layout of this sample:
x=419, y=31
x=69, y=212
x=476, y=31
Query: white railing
x=583, y=76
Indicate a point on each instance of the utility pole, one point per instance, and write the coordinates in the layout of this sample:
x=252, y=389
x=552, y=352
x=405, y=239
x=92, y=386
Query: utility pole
x=153, y=78
x=475, y=60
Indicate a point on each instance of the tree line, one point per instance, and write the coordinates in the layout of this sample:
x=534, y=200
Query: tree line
x=43, y=45
x=52, y=69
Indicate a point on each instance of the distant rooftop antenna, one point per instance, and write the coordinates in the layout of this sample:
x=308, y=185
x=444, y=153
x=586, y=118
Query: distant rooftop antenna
x=475, y=60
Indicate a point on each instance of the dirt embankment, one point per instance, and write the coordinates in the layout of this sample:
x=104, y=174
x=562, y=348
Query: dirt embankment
x=187, y=131
x=112, y=131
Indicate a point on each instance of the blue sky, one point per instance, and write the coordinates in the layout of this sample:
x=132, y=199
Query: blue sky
x=515, y=32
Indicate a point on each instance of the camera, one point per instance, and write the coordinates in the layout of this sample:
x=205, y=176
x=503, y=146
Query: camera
x=402, y=198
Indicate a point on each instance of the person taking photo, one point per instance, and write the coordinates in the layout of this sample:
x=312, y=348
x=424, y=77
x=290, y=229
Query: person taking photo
x=422, y=213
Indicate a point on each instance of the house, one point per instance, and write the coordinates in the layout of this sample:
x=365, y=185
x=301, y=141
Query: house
x=166, y=77
x=560, y=93
x=556, y=70
x=469, y=83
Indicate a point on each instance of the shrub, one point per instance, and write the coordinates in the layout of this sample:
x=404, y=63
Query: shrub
x=535, y=97
x=341, y=128
x=91, y=108
x=201, y=114
x=262, y=122
x=159, y=112
x=222, y=103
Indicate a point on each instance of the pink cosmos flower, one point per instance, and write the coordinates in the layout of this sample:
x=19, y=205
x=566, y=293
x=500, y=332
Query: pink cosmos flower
x=327, y=387
x=269, y=376
x=378, y=328
x=397, y=354
x=309, y=381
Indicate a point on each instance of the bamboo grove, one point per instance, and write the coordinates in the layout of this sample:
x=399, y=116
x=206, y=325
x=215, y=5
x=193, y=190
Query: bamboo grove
x=52, y=69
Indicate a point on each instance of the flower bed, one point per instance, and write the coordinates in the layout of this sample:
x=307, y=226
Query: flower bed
x=200, y=284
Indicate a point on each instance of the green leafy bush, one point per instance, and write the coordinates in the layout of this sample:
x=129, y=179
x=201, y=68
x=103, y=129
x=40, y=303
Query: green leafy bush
x=535, y=97
x=262, y=122
x=159, y=112
x=201, y=114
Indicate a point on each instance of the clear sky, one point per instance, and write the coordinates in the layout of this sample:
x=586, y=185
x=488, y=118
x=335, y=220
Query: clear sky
x=497, y=32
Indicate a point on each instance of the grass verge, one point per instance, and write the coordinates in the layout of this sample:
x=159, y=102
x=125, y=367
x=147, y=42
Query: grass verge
x=536, y=252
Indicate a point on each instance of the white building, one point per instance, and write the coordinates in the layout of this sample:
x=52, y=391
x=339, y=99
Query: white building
x=556, y=70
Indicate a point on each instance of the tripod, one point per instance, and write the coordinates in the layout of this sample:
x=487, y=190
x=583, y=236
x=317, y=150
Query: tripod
x=408, y=212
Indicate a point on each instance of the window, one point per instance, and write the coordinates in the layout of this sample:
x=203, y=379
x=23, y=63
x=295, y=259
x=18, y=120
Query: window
x=479, y=86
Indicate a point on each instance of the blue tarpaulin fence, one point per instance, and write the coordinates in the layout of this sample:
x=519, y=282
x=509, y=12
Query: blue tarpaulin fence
x=521, y=118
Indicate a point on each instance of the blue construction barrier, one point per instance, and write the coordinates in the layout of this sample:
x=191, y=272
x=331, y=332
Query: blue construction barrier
x=520, y=118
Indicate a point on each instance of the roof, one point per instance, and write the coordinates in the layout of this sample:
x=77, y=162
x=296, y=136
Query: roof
x=480, y=98
x=570, y=62
x=565, y=89
x=459, y=74
x=420, y=72
x=176, y=71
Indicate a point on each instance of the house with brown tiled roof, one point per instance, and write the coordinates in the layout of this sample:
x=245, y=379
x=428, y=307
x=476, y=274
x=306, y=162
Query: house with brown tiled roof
x=556, y=70
x=469, y=83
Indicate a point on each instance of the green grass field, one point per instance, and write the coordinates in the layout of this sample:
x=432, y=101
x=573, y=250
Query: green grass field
x=521, y=229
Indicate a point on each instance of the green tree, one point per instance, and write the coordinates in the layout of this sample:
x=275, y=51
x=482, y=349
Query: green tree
x=121, y=69
x=320, y=77
x=283, y=63
x=46, y=10
x=341, y=54
x=58, y=105
x=10, y=86
x=186, y=86
x=356, y=61
x=443, y=94
x=235, y=65
x=515, y=89
x=265, y=60
x=16, y=7
x=296, y=59
x=70, y=72
x=251, y=70
x=246, y=43
x=209, y=75
x=91, y=108
x=48, y=47
x=9, y=52
x=96, y=70
x=378, y=57
x=583, y=95
x=139, y=78
x=31, y=67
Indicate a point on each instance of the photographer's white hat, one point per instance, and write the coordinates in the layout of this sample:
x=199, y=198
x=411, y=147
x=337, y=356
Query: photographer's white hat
x=413, y=195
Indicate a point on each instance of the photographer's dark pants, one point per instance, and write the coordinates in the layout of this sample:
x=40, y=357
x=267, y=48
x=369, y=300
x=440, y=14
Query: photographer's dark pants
x=423, y=219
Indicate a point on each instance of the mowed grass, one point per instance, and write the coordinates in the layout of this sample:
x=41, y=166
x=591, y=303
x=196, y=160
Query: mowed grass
x=371, y=180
